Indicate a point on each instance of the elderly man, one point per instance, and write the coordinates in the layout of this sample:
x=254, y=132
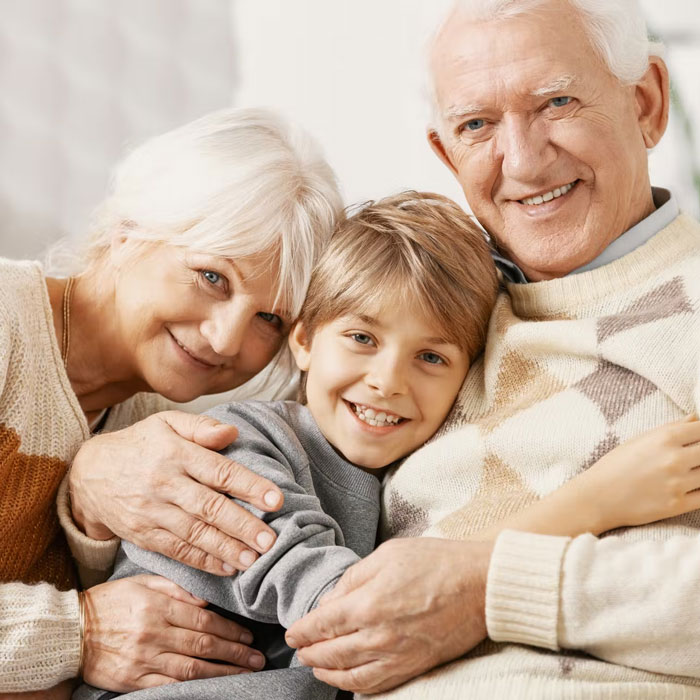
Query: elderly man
x=544, y=112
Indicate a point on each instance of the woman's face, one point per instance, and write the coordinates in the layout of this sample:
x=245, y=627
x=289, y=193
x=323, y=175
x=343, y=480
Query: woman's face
x=192, y=323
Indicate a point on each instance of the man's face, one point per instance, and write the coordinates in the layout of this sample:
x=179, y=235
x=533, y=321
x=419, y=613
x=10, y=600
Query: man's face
x=544, y=140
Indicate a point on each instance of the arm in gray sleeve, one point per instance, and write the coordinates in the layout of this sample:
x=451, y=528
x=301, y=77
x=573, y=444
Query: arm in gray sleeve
x=307, y=558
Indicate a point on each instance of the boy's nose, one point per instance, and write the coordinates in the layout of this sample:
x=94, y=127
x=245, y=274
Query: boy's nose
x=387, y=378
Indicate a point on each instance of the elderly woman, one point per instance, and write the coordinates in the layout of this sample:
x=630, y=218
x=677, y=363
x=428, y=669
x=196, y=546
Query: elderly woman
x=198, y=262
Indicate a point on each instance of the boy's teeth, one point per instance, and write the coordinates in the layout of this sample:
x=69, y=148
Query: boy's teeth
x=548, y=196
x=371, y=417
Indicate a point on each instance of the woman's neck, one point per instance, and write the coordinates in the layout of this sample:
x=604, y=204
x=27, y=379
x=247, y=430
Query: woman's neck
x=100, y=369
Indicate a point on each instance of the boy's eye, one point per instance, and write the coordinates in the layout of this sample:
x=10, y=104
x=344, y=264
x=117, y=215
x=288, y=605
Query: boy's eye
x=560, y=101
x=361, y=338
x=432, y=358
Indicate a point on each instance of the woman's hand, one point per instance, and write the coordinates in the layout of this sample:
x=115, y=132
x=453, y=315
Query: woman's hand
x=650, y=477
x=160, y=485
x=145, y=631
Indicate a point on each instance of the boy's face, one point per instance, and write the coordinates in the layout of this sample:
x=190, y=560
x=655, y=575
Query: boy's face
x=379, y=386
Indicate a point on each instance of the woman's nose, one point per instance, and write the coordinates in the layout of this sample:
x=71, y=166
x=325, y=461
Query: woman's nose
x=225, y=331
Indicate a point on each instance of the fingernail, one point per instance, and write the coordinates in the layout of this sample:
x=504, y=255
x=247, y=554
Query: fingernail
x=228, y=568
x=246, y=637
x=256, y=661
x=265, y=540
x=247, y=557
x=291, y=641
x=271, y=498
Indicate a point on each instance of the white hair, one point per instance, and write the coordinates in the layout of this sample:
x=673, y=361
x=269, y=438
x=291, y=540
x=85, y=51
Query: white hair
x=616, y=29
x=234, y=183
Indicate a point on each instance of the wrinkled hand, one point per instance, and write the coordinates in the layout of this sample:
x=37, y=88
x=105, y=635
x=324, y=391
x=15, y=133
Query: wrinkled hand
x=159, y=485
x=145, y=631
x=410, y=605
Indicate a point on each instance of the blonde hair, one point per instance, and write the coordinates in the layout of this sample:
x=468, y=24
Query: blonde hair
x=417, y=247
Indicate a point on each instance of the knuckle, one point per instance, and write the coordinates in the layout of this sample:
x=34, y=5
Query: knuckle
x=196, y=531
x=189, y=670
x=212, y=507
x=204, y=645
x=226, y=474
x=204, y=619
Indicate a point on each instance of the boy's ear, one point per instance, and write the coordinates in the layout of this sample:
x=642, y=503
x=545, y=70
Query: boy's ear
x=300, y=345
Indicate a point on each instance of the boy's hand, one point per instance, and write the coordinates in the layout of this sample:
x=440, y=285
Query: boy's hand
x=651, y=477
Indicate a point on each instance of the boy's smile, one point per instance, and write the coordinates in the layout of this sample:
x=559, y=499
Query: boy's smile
x=379, y=385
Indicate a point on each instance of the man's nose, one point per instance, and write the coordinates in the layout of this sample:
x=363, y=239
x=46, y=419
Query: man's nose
x=226, y=328
x=387, y=376
x=525, y=148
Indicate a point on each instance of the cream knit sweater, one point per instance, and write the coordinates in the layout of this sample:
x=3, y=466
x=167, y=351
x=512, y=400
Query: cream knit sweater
x=41, y=428
x=572, y=368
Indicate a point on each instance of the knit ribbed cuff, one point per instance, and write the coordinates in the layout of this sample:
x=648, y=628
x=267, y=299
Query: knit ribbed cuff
x=39, y=637
x=94, y=555
x=522, y=589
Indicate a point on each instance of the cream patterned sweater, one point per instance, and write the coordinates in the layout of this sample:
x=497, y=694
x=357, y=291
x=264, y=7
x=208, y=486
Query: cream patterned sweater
x=572, y=368
x=41, y=428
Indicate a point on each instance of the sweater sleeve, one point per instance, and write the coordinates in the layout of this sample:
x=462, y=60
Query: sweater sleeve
x=631, y=603
x=39, y=636
x=94, y=558
x=306, y=560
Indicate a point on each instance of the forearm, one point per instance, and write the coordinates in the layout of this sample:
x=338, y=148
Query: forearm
x=39, y=636
x=632, y=603
x=568, y=512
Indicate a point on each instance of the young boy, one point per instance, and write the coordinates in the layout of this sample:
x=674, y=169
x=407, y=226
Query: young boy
x=396, y=311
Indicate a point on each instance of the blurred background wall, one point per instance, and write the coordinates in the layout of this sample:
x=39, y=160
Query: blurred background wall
x=81, y=80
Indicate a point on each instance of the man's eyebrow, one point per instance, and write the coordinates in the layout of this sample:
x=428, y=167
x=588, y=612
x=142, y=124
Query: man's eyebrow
x=557, y=85
x=458, y=111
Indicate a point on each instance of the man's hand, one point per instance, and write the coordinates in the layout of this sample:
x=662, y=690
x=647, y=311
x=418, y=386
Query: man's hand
x=160, y=485
x=409, y=606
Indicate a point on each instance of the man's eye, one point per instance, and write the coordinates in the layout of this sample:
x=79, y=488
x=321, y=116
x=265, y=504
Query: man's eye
x=432, y=358
x=211, y=277
x=560, y=101
x=361, y=338
x=474, y=124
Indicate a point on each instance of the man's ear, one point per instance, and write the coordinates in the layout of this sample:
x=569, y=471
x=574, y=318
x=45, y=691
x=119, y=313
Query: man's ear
x=652, y=96
x=439, y=149
x=300, y=345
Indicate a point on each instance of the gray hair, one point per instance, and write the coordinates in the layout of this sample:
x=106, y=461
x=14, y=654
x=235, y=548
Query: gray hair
x=235, y=183
x=616, y=29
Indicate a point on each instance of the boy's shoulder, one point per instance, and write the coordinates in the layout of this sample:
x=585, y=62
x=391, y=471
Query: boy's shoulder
x=266, y=425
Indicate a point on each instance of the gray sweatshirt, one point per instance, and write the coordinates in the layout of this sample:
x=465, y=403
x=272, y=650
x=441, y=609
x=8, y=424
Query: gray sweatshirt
x=328, y=521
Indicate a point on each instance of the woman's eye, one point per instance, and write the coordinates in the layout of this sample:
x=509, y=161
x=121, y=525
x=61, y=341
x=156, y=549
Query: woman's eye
x=474, y=124
x=560, y=101
x=272, y=319
x=361, y=338
x=211, y=277
x=432, y=358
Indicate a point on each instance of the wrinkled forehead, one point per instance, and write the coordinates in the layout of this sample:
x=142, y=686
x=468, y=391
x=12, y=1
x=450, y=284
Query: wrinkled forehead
x=535, y=52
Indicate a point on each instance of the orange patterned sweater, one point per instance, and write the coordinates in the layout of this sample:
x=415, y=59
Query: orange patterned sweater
x=41, y=428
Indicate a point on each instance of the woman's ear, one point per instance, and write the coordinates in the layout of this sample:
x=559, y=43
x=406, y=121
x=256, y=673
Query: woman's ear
x=300, y=345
